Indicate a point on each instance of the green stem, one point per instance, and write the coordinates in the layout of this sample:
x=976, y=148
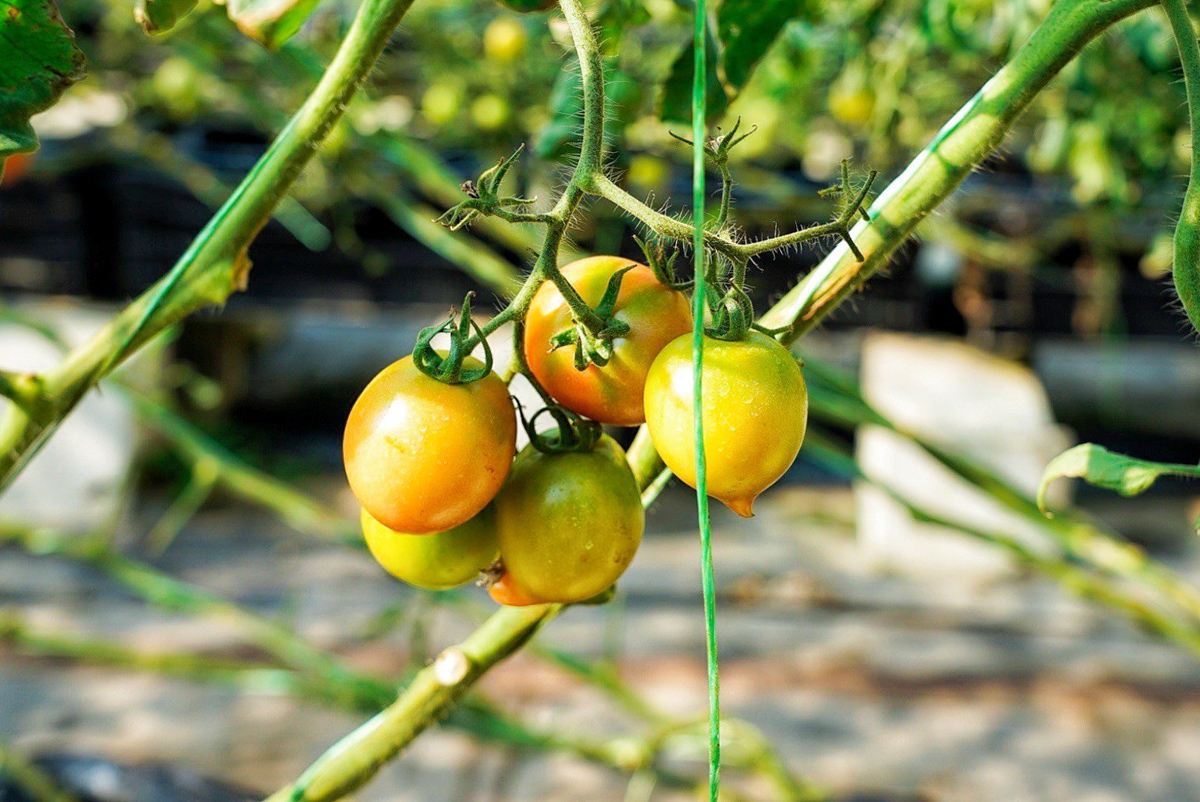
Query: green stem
x=960, y=147
x=1185, y=267
x=216, y=264
x=434, y=690
x=38, y=785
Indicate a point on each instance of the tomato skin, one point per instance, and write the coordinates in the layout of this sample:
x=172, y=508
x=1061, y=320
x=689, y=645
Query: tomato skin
x=14, y=167
x=504, y=591
x=612, y=394
x=755, y=412
x=569, y=524
x=437, y=561
x=424, y=456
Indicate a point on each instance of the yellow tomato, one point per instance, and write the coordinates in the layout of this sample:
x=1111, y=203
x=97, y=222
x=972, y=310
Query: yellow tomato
x=754, y=408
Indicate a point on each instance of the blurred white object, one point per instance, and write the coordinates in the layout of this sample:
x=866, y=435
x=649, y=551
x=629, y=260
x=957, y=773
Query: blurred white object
x=74, y=481
x=987, y=409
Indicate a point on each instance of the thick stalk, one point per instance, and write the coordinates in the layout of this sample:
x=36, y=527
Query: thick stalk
x=960, y=147
x=1185, y=268
x=216, y=264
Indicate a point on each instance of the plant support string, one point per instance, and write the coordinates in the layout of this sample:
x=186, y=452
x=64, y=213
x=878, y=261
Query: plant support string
x=699, y=98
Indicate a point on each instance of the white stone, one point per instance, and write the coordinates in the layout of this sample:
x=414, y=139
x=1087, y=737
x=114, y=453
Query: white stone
x=74, y=482
x=971, y=403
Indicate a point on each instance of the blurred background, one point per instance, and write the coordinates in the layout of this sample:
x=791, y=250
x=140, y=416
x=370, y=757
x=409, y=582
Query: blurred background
x=185, y=614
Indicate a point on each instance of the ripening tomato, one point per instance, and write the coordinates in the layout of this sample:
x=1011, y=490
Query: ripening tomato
x=425, y=456
x=14, y=167
x=655, y=313
x=437, y=561
x=569, y=524
x=754, y=408
x=504, y=591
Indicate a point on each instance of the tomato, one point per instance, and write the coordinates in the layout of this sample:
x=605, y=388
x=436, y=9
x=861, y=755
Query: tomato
x=440, y=103
x=425, y=456
x=527, y=6
x=655, y=313
x=505, y=40
x=437, y=561
x=569, y=523
x=755, y=411
x=504, y=591
x=852, y=107
x=14, y=167
x=489, y=112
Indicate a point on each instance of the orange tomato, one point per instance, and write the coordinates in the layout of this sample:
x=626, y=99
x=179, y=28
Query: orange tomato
x=424, y=456
x=655, y=313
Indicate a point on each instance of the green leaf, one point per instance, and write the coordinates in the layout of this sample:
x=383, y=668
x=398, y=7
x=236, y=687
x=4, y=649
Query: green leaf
x=271, y=22
x=157, y=16
x=747, y=29
x=38, y=61
x=677, y=91
x=1098, y=466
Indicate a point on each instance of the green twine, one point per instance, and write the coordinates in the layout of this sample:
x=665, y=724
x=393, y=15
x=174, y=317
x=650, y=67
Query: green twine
x=699, y=98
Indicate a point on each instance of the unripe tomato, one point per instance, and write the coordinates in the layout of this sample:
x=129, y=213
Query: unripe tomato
x=655, y=313
x=437, y=561
x=425, y=456
x=852, y=106
x=569, y=523
x=755, y=411
x=489, y=112
x=505, y=40
x=527, y=6
x=441, y=103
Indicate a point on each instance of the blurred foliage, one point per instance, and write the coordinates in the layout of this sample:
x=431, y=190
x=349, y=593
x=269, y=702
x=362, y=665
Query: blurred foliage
x=466, y=81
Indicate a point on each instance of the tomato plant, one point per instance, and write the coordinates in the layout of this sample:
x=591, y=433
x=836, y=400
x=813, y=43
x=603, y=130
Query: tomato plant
x=569, y=523
x=755, y=408
x=423, y=455
x=612, y=392
x=437, y=561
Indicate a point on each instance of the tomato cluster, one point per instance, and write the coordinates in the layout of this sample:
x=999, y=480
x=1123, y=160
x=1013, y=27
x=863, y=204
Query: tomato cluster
x=431, y=459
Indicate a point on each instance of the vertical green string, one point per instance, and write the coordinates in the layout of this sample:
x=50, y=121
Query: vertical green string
x=699, y=98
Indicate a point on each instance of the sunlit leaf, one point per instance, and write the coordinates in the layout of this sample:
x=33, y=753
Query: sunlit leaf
x=747, y=29
x=1098, y=466
x=271, y=22
x=38, y=61
x=157, y=16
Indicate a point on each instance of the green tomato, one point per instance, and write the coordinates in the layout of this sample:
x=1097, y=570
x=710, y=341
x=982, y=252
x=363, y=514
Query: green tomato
x=569, y=524
x=489, y=112
x=437, y=561
x=440, y=103
x=505, y=40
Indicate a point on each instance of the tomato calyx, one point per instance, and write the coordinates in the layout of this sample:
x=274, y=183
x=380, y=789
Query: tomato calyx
x=449, y=368
x=717, y=147
x=732, y=314
x=483, y=196
x=596, y=348
x=662, y=264
x=573, y=432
